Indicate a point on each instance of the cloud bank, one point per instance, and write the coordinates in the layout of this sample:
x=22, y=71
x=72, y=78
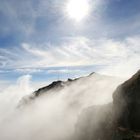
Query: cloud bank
x=52, y=116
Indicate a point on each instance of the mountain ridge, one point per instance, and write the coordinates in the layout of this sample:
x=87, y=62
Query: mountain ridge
x=58, y=86
x=121, y=118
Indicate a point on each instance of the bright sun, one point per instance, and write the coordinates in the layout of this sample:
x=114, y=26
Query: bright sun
x=77, y=9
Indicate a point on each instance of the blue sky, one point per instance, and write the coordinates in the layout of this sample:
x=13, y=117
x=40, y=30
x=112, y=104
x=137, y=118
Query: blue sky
x=38, y=38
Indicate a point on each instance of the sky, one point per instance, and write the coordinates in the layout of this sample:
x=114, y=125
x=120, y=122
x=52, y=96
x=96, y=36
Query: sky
x=56, y=39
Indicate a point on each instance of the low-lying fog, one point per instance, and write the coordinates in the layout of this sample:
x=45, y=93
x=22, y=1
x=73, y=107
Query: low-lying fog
x=51, y=116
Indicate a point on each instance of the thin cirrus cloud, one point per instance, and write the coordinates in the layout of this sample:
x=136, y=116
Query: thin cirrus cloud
x=46, y=20
x=119, y=55
x=94, y=43
x=38, y=21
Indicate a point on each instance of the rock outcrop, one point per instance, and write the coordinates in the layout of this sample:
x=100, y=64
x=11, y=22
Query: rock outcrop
x=119, y=120
x=126, y=100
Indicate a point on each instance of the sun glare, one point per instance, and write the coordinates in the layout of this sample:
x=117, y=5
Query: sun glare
x=77, y=9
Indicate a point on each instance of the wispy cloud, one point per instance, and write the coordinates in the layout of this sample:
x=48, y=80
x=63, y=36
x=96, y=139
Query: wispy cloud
x=77, y=51
x=39, y=21
x=63, y=71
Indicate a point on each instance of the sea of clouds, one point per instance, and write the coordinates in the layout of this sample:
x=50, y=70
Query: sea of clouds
x=52, y=116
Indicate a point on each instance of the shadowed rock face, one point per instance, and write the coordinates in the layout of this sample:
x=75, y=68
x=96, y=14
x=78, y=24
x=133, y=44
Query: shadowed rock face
x=58, y=85
x=95, y=123
x=127, y=98
x=54, y=85
x=119, y=120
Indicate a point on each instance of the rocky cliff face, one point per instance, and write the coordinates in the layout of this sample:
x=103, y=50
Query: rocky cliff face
x=95, y=123
x=127, y=98
x=119, y=120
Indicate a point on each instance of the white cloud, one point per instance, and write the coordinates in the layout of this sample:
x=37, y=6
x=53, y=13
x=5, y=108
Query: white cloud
x=83, y=51
x=3, y=85
x=66, y=70
x=116, y=55
x=22, y=86
x=12, y=93
x=54, y=115
x=28, y=70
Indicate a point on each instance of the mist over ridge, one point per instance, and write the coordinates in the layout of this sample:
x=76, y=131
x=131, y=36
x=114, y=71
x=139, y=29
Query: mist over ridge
x=53, y=114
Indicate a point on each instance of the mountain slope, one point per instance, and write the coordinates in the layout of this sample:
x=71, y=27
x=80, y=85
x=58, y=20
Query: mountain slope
x=119, y=120
x=127, y=97
x=89, y=90
x=78, y=109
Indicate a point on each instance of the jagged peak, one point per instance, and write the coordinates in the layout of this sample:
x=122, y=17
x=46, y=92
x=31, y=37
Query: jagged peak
x=53, y=85
x=59, y=84
x=92, y=73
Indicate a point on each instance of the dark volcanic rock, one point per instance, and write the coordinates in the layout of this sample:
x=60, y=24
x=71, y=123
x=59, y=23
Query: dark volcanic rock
x=95, y=123
x=54, y=85
x=119, y=120
x=127, y=98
